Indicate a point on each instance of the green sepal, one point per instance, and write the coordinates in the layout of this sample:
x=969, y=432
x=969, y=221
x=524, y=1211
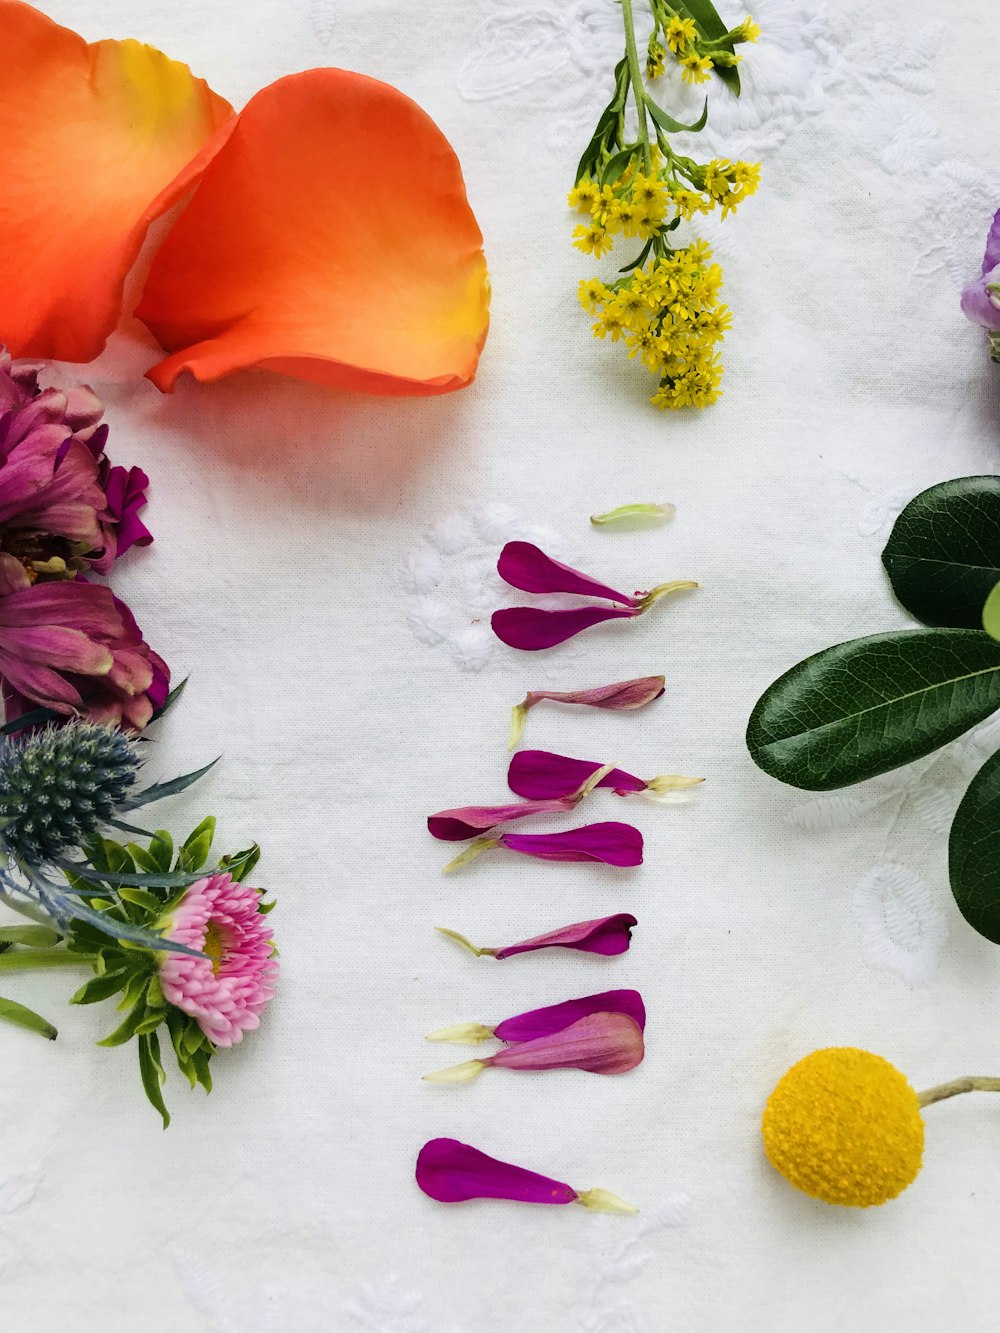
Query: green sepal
x=202, y=1072
x=673, y=126
x=240, y=864
x=151, y=1071
x=161, y=849
x=35, y=937
x=102, y=987
x=23, y=1017
x=141, y=898
x=264, y=907
x=193, y=1039
x=135, y=989
x=127, y=1029
x=154, y=994
x=194, y=852
x=616, y=164
x=151, y=1022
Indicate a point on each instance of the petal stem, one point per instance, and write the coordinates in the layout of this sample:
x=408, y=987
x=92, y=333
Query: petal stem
x=518, y=717
x=462, y=1034
x=664, y=590
x=463, y=1073
x=466, y=944
x=603, y=1201
x=969, y=1083
x=471, y=852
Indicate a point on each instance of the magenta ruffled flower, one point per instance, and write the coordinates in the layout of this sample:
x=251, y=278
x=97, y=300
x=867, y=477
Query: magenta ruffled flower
x=601, y=1043
x=981, y=298
x=73, y=648
x=121, y=526
x=525, y=566
x=226, y=991
x=613, y=843
x=453, y=1172
x=607, y=935
x=541, y=776
x=623, y=696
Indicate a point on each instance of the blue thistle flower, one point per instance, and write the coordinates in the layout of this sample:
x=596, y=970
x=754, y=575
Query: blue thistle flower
x=59, y=785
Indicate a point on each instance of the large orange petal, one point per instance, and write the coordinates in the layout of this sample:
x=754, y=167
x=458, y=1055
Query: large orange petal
x=331, y=239
x=97, y=141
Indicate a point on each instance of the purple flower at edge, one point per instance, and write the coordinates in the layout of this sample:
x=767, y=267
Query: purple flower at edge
x=607, y=935
x=454, y=1172
x=981, y=298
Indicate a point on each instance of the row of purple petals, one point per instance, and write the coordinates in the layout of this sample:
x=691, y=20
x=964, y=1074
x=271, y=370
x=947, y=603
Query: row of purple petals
x=613, y=843
x=607, y=935
x=554, y=1018
x=540, y=775
x=451, y=1172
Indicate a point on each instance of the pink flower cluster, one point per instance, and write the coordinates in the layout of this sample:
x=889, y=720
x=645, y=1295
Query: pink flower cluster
x=67, y=643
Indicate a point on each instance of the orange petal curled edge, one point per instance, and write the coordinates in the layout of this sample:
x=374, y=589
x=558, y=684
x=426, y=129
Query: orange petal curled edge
x=331, y=239
x=97, y=141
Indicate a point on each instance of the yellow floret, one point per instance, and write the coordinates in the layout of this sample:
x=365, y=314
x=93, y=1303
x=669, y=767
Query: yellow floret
x=845, y=1126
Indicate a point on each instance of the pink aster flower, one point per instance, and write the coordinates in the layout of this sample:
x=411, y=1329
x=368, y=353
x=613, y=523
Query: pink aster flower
x=226, y=991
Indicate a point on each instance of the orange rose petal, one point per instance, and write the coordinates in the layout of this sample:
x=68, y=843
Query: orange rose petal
x=331, y=239
x=97, y=141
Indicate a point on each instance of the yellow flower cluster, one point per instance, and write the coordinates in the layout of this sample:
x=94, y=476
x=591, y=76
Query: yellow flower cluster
x=668, y=316
x=695, y=59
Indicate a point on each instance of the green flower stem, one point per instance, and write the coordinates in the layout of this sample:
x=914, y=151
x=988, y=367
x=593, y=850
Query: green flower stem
x=22, y=962
x=638, y=87
x=970, y=1083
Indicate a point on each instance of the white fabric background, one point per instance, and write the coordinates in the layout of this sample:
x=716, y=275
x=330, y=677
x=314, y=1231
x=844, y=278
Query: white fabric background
x=284, y=518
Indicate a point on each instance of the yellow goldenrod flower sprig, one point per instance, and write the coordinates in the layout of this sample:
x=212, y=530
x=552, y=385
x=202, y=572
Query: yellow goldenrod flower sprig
x=664, y=307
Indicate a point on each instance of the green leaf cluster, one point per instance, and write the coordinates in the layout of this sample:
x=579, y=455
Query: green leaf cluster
x=869, y=705
x=127, y=967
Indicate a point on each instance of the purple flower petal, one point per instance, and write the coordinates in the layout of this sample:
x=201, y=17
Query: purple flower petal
x=624, y=694
x=608, y=935
x=991, y=259
x=555, y=1017
x=613, y=843
x=979, y=305
x=471, y=820
x=452, y=1172
x=530, y=628
x=525, y=566
x=600, y=1043
x=540, y=775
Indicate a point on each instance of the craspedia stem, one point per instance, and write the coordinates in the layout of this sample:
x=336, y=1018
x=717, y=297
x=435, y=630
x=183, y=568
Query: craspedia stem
x=969, y=1083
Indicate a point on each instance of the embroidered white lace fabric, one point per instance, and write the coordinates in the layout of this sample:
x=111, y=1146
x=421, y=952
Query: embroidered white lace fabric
x=323, y=569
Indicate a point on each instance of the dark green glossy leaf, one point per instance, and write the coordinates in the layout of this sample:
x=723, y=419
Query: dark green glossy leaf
x=709, y=23
x=974, y=852
x=943, y=557
x=672, y=126
x=151, y=1071
x=23, y=1017
x=864, y=707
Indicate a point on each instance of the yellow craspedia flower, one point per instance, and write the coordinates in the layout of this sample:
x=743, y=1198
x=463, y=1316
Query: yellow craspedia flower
x=844, y=1125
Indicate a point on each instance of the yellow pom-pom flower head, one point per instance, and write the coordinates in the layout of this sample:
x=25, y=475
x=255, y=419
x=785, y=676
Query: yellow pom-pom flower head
x=844, y=1125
